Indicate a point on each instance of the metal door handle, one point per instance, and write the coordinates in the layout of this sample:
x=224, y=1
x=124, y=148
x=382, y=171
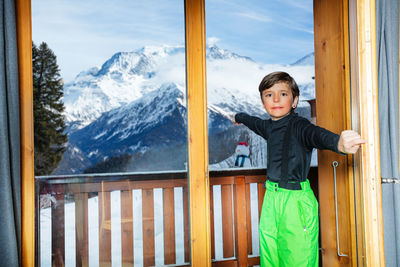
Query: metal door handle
x=334, y=165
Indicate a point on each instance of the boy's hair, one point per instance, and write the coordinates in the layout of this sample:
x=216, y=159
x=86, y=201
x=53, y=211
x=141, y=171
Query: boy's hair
x=279, y=77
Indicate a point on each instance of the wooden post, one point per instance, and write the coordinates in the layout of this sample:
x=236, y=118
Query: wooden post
x=197, y=133
x=240, y=220
x=24, y=39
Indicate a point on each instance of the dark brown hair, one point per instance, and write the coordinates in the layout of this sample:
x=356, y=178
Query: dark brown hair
x=279, y=77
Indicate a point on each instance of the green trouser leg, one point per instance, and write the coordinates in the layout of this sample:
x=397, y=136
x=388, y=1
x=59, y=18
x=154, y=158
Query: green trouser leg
x=289, y=227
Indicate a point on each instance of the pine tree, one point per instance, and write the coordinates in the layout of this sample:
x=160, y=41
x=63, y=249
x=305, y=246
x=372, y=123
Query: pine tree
x=49, y=125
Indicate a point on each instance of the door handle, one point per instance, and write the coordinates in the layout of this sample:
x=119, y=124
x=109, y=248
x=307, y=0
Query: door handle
x=334, y=165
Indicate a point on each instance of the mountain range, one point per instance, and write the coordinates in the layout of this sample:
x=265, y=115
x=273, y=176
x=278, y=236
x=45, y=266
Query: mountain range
x=135, y=104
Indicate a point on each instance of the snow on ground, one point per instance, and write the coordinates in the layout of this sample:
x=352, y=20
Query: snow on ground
x=93, y=231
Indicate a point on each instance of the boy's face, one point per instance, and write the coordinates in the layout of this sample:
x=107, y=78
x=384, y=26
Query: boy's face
x=278, y=100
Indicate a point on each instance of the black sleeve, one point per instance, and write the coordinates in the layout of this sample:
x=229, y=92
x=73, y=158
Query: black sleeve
x=257, y=125
x=313, y=136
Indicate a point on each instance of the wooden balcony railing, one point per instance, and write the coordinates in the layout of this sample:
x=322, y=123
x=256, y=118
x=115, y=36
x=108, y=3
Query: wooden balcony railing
x=234, y=187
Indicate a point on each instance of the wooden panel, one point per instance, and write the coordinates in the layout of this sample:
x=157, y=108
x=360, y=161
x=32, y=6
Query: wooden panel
x=240, y=208
x=212, y=222
x=81, y=230
x=186, y=224
x=169, y=226
x=126, y=228
x=248, y=221
x=148, y=227
x=331, y=83
x=197, y=133
x=104, y=229
x=227, y=221
x=58, y=231
x=24, y=42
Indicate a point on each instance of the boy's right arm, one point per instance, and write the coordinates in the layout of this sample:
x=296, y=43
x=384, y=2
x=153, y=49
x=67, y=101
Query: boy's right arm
x=257, y=125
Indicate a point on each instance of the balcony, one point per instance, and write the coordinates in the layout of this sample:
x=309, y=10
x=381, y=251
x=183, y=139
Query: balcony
x=78, y=225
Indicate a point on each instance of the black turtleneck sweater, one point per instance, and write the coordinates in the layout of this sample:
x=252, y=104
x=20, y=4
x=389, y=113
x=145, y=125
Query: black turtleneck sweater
x=304, y=137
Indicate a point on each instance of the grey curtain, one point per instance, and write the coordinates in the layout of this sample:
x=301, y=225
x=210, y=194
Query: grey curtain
x=10, y=196
x=387, y=33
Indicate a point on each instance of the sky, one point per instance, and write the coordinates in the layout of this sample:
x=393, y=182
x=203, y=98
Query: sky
x=84, y=34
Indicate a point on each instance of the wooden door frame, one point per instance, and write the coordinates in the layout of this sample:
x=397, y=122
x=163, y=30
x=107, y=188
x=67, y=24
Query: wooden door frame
x=364, y=93
x=345, y=62
x=197, y=132
x=24, y=40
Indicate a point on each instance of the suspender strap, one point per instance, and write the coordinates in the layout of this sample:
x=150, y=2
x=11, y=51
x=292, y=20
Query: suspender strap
x=283, y=182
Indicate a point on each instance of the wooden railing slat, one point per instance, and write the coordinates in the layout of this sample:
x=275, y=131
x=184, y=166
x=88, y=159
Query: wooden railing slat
x=186, y=223
x=212, y=222
x=248, y=221
x=261, y=192
x=240, y=208
x=58, y=231
x=81, y=230
x=122, y=185
x=126, y=228
x=148, y=227
x=222, y=180
x=169, y=226
x=104, y=229
x=227, y=221
x=255, y=179
x=253, y=261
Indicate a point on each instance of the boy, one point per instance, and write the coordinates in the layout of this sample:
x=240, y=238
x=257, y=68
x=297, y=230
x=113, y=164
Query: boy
x=289, y=218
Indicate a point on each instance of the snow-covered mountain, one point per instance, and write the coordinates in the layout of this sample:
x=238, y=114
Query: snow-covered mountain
x=135, y=101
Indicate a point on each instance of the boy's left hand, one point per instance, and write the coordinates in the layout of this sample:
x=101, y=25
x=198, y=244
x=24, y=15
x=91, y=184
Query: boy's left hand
x=350, y=142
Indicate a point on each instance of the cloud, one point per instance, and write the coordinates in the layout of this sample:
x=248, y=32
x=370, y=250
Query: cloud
x=254, y=16
x=212, y=41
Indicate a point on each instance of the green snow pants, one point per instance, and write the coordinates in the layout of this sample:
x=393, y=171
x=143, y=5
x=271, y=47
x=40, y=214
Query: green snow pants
x=289, y=227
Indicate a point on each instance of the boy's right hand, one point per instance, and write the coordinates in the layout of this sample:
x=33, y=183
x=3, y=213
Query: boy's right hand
x=232, y=118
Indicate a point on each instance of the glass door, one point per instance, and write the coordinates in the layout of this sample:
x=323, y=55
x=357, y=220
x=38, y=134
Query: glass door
x=116, y=193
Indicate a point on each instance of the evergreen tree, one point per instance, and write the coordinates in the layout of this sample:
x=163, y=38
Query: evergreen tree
x=49, y=125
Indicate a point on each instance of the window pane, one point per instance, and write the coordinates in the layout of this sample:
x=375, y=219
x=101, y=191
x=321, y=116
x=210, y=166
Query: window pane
x=246, y=40
x=110, y=131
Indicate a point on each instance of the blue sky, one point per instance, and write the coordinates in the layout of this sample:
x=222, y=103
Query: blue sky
x=86, y=33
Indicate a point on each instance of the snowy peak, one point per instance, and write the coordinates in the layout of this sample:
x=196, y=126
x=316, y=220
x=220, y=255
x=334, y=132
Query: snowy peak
x=232, y=80
x=308, y=60
x=214, y=52
x=125, y=62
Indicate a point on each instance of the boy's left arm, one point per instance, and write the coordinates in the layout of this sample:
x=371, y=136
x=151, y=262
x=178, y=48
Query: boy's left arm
x=350, y=141
x=314, y=136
